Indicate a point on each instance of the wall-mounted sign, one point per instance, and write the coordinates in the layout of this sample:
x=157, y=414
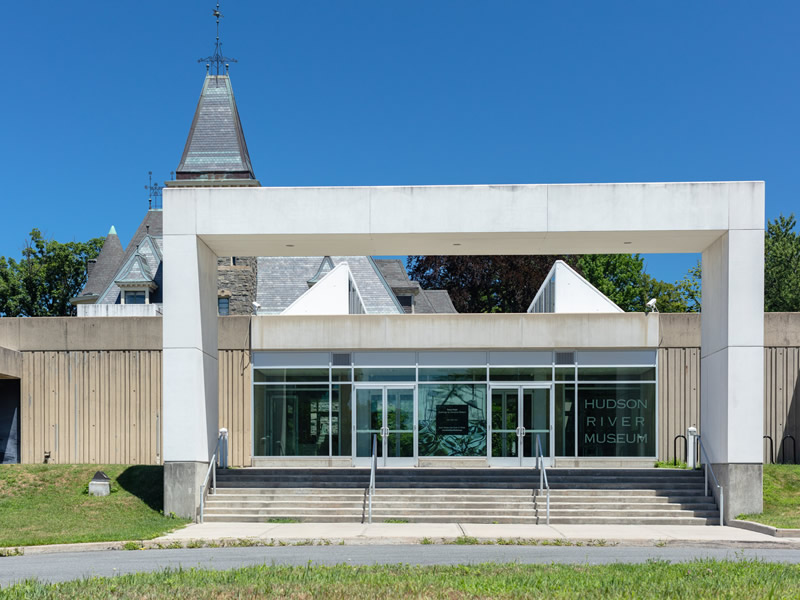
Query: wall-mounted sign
x=452, y=419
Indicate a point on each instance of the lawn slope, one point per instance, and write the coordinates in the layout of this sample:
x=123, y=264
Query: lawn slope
x=50, y=504
x=781, y=497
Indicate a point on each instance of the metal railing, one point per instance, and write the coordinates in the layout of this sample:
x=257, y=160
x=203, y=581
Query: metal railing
x=220, y=455
x=708, y=469
x=543, y=484
x=372, y=469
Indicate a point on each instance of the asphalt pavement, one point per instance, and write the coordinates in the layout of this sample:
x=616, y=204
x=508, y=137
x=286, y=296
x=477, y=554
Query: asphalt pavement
x=76, y=565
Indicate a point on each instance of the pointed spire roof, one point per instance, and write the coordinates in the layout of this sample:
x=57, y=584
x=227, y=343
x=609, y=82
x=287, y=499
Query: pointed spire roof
x=215, y=148
x=105, y=266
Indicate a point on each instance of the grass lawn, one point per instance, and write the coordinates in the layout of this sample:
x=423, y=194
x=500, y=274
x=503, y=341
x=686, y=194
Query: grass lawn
x=49, y=504
x=695, y=580
x=781, y=497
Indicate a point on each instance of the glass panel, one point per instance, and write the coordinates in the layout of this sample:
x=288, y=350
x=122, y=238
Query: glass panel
x=536, y=420
x=400, y=409
x=341, y=374
x=616, y=373
x=291, y=359
x=454, y=358
x=617, y=419
x=537, y=358
x=388, y=374
x=134, y=297
x=342, y=420
x=565, y=420
x=452, y=419
x=291, y=420
x=565, y=374
x=400, y=445
x=505, y=418
x=520, y=373
x=617, y=357
x=290, y=375
x=382, y=359
x=400, y=421
x=369, y=419
x=451, y=374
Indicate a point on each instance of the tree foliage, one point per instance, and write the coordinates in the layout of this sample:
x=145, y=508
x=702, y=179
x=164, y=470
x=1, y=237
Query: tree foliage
x=781, y=270
x=49, y=273
x=782, y=266
x=509, y=283
x=622, y=277
x=484, y=283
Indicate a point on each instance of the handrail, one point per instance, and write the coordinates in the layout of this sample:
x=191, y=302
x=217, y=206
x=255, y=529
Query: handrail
x=212, y=471
x=543, y=484
x=372, y=469
x=771, y=448
x=707, y=467
x=675, y=449
x=794, y=448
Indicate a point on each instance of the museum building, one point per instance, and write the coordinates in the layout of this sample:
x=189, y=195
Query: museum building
x=305, y=348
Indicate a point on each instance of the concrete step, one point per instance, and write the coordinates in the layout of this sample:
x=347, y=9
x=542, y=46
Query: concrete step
x=311, y=518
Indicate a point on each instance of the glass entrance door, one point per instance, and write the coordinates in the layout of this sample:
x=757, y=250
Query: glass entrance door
x=517, y=415
x=388, y=412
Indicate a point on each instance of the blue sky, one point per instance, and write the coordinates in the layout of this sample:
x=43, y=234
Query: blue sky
x=389, y=92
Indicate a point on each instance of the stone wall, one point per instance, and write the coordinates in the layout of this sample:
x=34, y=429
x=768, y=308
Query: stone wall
x=236, y=280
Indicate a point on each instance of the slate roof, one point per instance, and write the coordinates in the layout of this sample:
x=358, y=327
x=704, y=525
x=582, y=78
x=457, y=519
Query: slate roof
x=147, y=241
x=136, y=271
x=106, y=265
x=425, y=301
x=215, y=147
x=281, y=280
x=434, y=301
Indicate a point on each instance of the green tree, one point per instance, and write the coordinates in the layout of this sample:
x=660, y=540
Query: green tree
x=480, y=284
x=781, y=270
x=690, y=288
x=49, y=273
x=782, y=266
x=623, y=279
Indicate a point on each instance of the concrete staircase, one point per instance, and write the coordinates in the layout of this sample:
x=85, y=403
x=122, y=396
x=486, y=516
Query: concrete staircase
x=578, y=496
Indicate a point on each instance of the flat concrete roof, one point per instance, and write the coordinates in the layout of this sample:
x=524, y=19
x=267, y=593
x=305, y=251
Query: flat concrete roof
x=475, y=219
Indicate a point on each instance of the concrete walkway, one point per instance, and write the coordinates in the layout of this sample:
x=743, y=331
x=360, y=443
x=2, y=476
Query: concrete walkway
x=414, y=533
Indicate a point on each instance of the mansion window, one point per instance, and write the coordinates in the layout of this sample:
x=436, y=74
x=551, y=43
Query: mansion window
x=135, y=297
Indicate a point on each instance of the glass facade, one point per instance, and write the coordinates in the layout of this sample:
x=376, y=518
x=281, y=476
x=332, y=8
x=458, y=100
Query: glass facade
x=455, y=404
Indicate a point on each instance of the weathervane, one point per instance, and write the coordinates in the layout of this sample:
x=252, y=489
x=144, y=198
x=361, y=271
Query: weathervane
x=217, y=59
x=155, y=191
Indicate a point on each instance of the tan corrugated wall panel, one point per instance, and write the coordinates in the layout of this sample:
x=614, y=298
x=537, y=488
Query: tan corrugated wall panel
x=91, y=406
x=234, y=404
x=678, y=397
x=781, y=398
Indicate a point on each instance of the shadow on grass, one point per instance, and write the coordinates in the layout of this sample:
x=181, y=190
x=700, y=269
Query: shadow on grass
x=146, y=482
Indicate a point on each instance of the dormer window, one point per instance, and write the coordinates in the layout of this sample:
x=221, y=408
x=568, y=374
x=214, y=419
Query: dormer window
x=136, y=297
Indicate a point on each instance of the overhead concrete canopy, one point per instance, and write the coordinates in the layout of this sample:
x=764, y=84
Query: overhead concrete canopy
x=723, y=220
x=447, y=220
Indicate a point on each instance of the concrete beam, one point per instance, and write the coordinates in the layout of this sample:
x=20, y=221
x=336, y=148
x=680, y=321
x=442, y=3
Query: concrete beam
x=455, y=331
x=10, y=364
x=490, y=219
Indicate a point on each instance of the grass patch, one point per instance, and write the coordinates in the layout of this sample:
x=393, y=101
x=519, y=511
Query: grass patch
x=655, y=579
x=50, y=504
x=395, y=520
x=663, y=464
x=282, y=520
x=781, y=497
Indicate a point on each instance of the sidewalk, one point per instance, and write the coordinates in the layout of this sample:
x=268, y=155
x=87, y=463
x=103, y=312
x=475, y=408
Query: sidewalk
x=414, y=533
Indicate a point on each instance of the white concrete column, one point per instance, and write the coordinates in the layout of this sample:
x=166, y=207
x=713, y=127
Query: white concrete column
x=190, y=375
x=732, y=361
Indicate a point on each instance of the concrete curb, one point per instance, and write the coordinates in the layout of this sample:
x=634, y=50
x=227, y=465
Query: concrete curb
x=228, y=542
x=765, y=529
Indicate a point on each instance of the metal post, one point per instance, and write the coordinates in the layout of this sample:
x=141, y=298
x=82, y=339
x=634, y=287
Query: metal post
x=691, y=448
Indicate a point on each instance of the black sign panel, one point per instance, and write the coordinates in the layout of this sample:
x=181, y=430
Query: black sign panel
x=452, y=419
